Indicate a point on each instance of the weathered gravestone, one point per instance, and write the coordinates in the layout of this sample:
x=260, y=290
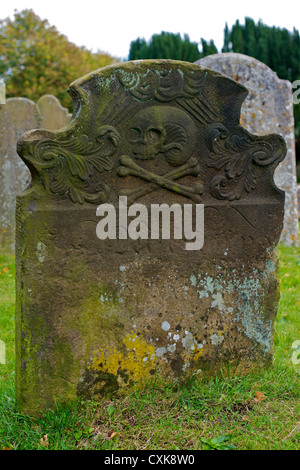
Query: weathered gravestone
x=17, y=116
x=95, y=314
x=2, y=91
x=268, y=108
x=52, y=115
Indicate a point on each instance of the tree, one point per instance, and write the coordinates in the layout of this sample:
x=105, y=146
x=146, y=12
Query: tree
x=278, y=48
x=250, y=36
x=208, y=48
x=226, y=45
x=36, y=59
x=165, y=46
x=237, y=38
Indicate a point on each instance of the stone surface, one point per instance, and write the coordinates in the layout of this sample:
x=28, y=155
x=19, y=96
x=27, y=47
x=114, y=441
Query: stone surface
x=268, y=108
x=2, y=92
x=52, y=115
x=17, y=116
x=93, y=315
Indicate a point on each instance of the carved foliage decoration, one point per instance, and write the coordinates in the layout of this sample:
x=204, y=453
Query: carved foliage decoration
x=71, y=166
x=240, y=158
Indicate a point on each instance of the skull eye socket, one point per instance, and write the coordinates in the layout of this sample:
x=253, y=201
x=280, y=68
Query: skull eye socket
x=134, y=134
x=153, y=135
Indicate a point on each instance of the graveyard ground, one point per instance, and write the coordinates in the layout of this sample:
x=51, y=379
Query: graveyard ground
x=260, y=411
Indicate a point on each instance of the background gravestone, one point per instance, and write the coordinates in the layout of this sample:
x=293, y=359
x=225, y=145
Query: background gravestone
x=51, y=114
x=17, y=116
x=2, y=91
x=268, y=108
x=94, y=315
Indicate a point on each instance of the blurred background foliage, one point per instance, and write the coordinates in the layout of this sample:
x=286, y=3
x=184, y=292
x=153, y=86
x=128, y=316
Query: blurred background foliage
x=36, y=59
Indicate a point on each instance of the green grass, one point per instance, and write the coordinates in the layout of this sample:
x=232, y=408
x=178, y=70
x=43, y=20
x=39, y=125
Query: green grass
x=259, y=411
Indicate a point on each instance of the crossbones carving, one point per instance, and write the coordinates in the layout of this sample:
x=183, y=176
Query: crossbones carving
x=129, y=167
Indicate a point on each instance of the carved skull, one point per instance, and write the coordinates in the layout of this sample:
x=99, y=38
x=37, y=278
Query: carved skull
x=147, y=136
x=162, y=130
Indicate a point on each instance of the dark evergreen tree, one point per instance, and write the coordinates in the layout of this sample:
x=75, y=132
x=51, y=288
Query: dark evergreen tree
x=250, y=36
x=227, y=44
x=278, y=48
x=208, y=48
x=165, y=46
x=237, y=38
x=138, y=49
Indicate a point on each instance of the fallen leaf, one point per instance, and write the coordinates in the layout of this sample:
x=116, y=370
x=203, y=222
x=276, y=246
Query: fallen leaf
x=259, y=397
x=5, y=269
x=6, y=448
x=44, y=440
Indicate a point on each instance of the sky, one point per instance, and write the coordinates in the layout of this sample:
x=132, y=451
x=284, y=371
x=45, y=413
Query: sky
x=110, y=25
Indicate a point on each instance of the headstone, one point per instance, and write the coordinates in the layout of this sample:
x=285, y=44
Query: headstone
x=115, y=282
x=17, y=116
x=268, y=108
x=2, y=91
x=52, y=115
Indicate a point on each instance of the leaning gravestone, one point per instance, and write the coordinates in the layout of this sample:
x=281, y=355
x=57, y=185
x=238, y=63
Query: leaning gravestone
x=17, y=116
x=268, y=108
x=107, y=293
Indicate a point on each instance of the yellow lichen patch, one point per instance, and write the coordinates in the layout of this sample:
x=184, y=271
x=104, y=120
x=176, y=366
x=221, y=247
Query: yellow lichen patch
x=197, y=354
x=107, y=362
x=136, y=361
